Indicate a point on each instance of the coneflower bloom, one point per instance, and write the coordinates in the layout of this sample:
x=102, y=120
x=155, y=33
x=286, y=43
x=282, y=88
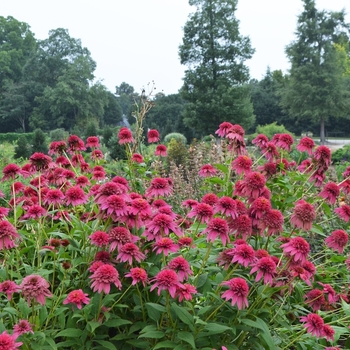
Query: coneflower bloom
x=242, y=226
x=322, y=155
x=258, y=208
x=273, y=221
x=10, y=172
x=265, y=267
x=161, y=151
x=8, y=234
x=225, y=257
x=129, y=252
x=303, y=215
x=138, y=275
x=8, y=342
x=330, y=192
x=40, y=161
x=103, y=256
x=118, y=236
x=165, y=245
x=242, y=164
x=223, y=129
x=243, y=254
x=306, y=144
x=159, y=187
x=260, y=141
x=163, y=224
x=185, y=292
x=235, y=133
x=92, y=142
x=53, y=196
x=77, y=297
x=297, y=248
x=125, y=136
x=237, y=293
x=75, y=144
x=330, y=292
x=181, y=266
x=285, y=141
x=75, y=196
x=337, y=240
x=140, y=206
x=9, y=287
x=57, y=147
x=35, y=287
x=114, y=205
x=202, y=211
x=217, y=227
x=185, y=242
x=35, y=211
x=313, y=324
x=210, y=198
x=22, y=327
x=96, y=154
x=137, y=158
x=227, y=206
x=268, y=169
x=253, y=185
x=4, y=212
x=315, y=298
x=328, y=332
x=99, y=238
x=153, y=136
x=207, y=170
x=166, y=280
x=343, y=212
x=103, y=277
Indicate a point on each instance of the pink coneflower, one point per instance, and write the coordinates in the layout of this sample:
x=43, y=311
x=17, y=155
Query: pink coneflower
x=242, y=226
x=238, y=292
x=161, y=151
x=185, y=242
x=76, y=196
x=343, y=212
x=270, y=151
x=99, y=238
x=159, y=187
x=75, y=144
x=227, y=206
x=223, y=129
x=313, y=324
x=285, y=141
x=305, y=165
x=166, y=280
x=297, y=248
x=207, y=170
x=253, y=185
x=9, y=287
x=303, y=215
x=306, y=144
x=8, y=342
x=328, y=332
x=315, y=298
x=114, y=205
x=118, y=236
x=168, y=211
x=243, y=254
x=4, y=212
x=125, y=136
x=202, y=211
x=260, y=141
x=185, y=292
x=181, y=266
x=129, y=252
x=189, y=203
x=330, y=292
x=258, y=208
x=330, y=192
x=35, y=211
x=322, y=155
x=82, y=181
x=153, y=136
x=217, y=227
x=138, y=275
x=57, y=147
x=140, y=206
x=235, y=132
x=210, y=198
x=54, y=196
x=345, y=186
x=77, y=297
x=272, y=220
x=8, y=234
x=163, y=224
x=40, y=161
x=268, y=169
x=266, y=267
x=137, y=158
x=96, y=154
x=242, y=164
x=225, y=257
x=337, y=240
x=103, y=256
x=95, y=265
x=10, y=172
x=103, y=277
x=92, y=142
x=22, y=327
x=35, y=287
x=121, y=181
x=165, y=245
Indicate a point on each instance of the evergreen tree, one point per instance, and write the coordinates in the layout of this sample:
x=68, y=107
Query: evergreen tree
x=215, y=80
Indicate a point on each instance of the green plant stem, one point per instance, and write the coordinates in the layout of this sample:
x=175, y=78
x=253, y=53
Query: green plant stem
x=141, y=303
x=203, y=262
x=299, y=335
x=120, y=298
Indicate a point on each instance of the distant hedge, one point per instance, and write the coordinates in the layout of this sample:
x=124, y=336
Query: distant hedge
x=12, y=137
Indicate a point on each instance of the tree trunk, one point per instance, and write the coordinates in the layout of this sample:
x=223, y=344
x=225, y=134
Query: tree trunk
x=322, y=132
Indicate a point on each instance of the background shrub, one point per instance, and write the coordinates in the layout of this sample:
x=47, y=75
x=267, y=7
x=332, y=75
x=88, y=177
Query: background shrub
x=39, y=142
x=23, y=149
x=177, y=136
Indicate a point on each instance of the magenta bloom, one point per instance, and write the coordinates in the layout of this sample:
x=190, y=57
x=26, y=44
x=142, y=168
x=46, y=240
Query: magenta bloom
x=8, y=234
x=253, y=185
x=118, y=236
x=166, y=280
x=125, y=136
x=330, y=192
x=337, y=240
x=35, y=287
x=223, y=129
x=159, y=187
x=103, y=277
x=202, y=211
x=227, y=206
x=77, y=297
x=140, y=206
x=35, y=211
x=242, y=164
x=54, y=196
x=138, y=275
x=93, y=142
x=207, y=170
x=322, y=155
x=260, y=141
x=238, y=292
x=128, y=252
x=306, y=145
x=258, y=208
x=185, y=292
x=273, y=221
x=165, y=245
x=99, y=238
x=10, y=172
x=153, y=136
x=242, y=226
x=244, y=254
x=328, y=332
x=137, y=158
x=114, y=205
x=343, y=212
x=313, y=324
x=76, y=196
x=9, y=288
x=217, y=227
x=163, y=224
x=303, y=215
x=161, y=151
x=22, y=327
x=297, y=248
x=8, y=342
x=40, y=161
x=315, y=298
x=285, y=141
x=181, y=266
x=266, y=267
x=75, y=144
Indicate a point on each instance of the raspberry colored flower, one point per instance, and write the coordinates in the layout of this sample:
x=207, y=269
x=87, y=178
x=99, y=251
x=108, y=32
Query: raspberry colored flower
x=181, y=266
x=260, y=141
x=242, y=226
x=210, y=198
x=185, y=292
x=161, y=151
x=266, y=267
x=217, y=227
x=10, y=172
x=306, y=145
x=96, y=154
x=223, y=129
x=75, y=144
x=35, y=211
x=285, y=141
x=330, y=292
x=39, y=161
x=35, y=287
x=114, y=205
x=227, y=206
x=313, y=324
x=137, y=158
x=99, y=238
x=207, y=170
x=166, y=280
x=140, y=206
x=92, y=142
x=225, y=257
x=103, y=277
x=328, y=332
x=165, y=245
x=9, y=287
x=343, y=212
x=159, y=187
x=125, y=136
x=238, y=292
x=253, y=185
x=163, y=224
x=8, y=342
x=273, y=221
x=22, y=327
x=303, y=215
x=118, y=236
x=243, y=254
x=77, y=297
x=76, y=196
x=8, y=234
x=129, y=252
x=54, y=196
x=242, y=164
x=270, y=151
x=202, y=211
x=258, y=208
x=138, y=275
x=235, y=133
x=153, y=136
x=337, y=240
x=189, y=203
x=297, y=248
x=185, y=242
x=57, y=147
x=330, y=192
x=315, y=298
x=121, y=181
x=322, y=155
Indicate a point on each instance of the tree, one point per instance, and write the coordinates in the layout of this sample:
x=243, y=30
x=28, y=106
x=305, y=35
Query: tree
x=318, y=87
x=215, y=82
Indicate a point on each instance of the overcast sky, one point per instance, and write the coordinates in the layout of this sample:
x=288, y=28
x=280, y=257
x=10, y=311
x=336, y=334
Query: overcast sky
x=137, y=41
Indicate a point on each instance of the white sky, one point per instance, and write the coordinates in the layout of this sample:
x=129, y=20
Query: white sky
x=137, y=41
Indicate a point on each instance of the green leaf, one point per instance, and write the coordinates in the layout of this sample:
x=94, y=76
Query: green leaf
x=92, y=325
x=70, y=332
x=265, y=334
x=167, y=344
x=202, y=279
x=152, y=335
x=216, y=328
x=157, y=307
x=106, y=344
x=222, y=168
x=187, y=337
x=183, y=315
